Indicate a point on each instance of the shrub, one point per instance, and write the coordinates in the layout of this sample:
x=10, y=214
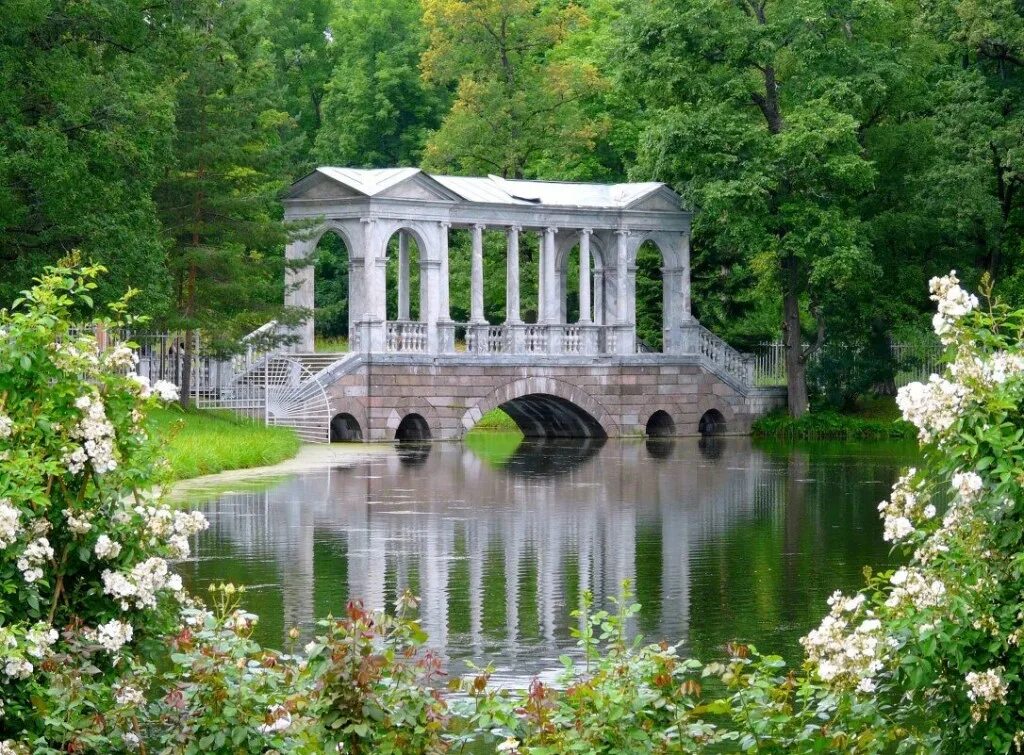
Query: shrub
x=102, y=651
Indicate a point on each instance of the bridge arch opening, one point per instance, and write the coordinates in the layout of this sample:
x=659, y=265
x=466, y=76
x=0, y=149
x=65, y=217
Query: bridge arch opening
x=650, y=297
x=711, y=423
x=543, y=415
x=345, y=429
x=661, y=425
x=413, y=427
x=331, y=292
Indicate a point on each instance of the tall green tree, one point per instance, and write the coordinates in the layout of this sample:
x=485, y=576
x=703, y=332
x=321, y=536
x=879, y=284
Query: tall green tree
x=755, y=110
x=300, y=40
x=378, y=111
x=977, y=184
x=218, y=200
x=519, y=106
x=86, y=114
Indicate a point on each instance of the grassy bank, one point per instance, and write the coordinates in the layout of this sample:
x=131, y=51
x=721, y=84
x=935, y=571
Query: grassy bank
x=496, y=421
x=878, y=419
x=204, y=442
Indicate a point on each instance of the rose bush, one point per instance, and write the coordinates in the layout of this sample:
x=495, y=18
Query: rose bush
x=101, y=650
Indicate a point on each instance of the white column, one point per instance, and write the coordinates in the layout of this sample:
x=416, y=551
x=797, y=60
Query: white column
x=541, y=314
x=369, y=268
x=551, y=308
x=585, y=275
x=512, y=313
x=621, y=277
x=444, y=297
x=477, y=271
x=599, y=295
x=403, y=275
x=298, y=288
x=686, y=312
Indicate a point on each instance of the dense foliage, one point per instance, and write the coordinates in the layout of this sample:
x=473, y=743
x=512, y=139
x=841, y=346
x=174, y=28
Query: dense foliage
x=838, y=151
x=102, y=650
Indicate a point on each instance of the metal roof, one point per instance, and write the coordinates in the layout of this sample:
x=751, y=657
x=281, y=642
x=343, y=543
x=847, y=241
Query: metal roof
x=497, y=190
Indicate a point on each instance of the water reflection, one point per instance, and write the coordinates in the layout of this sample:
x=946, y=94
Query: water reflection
x=722, y=540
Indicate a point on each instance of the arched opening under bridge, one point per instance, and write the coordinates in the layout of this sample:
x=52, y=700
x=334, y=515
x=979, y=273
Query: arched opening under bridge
x=661, y=425
x=345, y=429
x=711, y=423
x=412, y=428
x=542, y=415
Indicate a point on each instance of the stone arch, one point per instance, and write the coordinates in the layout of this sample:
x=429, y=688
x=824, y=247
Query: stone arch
x=345, y=428
x=717, y=412
x=531, y=398
x=409, y=406
x=353, y=408
x=413, y=427
x=660, y=424
x=337, y=227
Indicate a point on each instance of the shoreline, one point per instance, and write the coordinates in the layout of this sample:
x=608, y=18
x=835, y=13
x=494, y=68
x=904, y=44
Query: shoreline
x=310, y=456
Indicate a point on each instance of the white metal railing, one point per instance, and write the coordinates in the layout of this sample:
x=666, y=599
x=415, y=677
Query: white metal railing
x=913, y=362
x=721, y=354
x=406, y=337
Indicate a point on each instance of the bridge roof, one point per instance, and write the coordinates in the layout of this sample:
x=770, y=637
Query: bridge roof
x=492, y=189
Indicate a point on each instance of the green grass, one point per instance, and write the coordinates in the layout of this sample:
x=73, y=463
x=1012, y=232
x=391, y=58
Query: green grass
x=331, y=344
x=496, y=421
x=204, y=442
x=878, y=420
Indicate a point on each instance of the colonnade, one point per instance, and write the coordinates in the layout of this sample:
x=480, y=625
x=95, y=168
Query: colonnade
x=607, y=289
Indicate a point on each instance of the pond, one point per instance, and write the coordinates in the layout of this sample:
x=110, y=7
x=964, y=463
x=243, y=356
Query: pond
x=724, y=539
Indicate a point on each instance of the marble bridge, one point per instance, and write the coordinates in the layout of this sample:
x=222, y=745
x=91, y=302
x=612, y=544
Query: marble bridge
x=419, y=374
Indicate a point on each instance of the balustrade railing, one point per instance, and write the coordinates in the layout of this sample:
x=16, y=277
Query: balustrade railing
x=571, y=340
x=406, y=337
x=536, y=339
x=725, y=357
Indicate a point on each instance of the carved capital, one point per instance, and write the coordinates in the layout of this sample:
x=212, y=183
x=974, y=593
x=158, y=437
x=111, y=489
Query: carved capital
x=586, y=232
x=479, y=227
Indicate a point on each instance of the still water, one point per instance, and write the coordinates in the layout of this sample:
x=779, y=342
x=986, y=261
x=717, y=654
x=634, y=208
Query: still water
x=723, y=540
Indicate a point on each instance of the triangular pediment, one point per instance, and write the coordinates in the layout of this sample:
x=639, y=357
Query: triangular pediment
x=420, y=187
x=661, y=199
x=318, y=186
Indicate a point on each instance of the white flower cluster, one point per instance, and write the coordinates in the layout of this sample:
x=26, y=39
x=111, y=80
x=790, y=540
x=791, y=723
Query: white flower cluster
x=164, y=390
x=6, y=426
x=128, y=695
x=912, y=586
x=18, y=668
x=106, y=548
x=10, y=523
x=172, y=527
x=241, y=621
x=987, y=373
x=906, y=507
x=122, y=358
x=847, y=648
x=141, y=585
x=97, y=436
x=40, y=639
x=114, y=635
x=37, y=553
x=78, y=524
x=968, y=485
x=984, y=689
x=953, y=303
x=932, y=407
x=278, y=719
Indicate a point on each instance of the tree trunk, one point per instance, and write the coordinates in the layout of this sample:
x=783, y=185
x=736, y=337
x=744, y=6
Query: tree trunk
x=186, y=371
x=796, y=368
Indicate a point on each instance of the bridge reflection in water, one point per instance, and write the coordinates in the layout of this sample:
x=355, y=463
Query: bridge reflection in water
x=500, y=540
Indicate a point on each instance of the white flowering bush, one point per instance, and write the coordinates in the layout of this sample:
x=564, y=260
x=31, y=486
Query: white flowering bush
x=86, y=591
x=102, y=651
